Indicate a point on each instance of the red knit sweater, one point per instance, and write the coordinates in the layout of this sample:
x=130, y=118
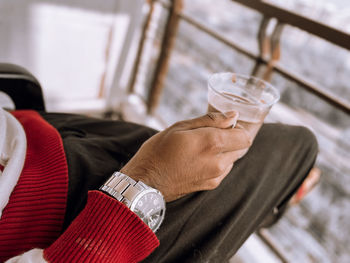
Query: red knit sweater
x=105, y=231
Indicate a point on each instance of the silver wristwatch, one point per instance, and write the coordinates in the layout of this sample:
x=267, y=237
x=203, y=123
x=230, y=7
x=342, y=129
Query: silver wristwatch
x=146, y=202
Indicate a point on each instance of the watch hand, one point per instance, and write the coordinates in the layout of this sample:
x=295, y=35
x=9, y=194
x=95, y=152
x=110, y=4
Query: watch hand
x=149, y=212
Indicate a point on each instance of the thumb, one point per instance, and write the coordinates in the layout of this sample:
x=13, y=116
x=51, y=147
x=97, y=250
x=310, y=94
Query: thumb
x=214, y=119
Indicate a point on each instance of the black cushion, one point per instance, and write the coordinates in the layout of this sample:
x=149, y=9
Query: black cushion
x=21, y=86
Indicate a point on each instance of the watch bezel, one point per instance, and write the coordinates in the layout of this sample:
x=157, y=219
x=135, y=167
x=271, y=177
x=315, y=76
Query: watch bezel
x=143, y=193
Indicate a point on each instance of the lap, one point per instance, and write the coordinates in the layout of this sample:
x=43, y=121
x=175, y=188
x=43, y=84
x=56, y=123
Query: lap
x=204, y=226
x=210, y=226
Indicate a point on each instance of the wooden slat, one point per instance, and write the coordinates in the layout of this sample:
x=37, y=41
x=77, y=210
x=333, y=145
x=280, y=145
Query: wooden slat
x=140, y=48
x=163, y=61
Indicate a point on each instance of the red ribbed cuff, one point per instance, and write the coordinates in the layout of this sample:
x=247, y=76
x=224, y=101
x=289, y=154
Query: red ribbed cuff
x=105, y=231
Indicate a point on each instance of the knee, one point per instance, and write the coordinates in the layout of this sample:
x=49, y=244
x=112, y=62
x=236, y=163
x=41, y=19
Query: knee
x=306, y=139
x=294, y=140
x=302, y=143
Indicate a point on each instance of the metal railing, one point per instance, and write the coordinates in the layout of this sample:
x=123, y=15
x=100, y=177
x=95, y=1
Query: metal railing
x=269, y=47
x=266, y=61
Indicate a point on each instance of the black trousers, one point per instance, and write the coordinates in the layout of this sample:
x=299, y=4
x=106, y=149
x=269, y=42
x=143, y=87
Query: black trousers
x=207, y=226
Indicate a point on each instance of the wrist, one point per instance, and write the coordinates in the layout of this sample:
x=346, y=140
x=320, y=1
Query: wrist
x=146, y=202
x=140, y=174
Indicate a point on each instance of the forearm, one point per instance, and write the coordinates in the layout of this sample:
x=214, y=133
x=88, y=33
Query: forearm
x=105, y=231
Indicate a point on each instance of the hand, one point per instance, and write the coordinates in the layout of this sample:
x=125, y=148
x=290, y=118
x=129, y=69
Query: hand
x=189, y=156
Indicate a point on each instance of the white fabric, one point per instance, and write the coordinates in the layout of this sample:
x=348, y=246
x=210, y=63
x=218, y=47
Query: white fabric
x=13, y=146
x=31, y=256
x=6, y=102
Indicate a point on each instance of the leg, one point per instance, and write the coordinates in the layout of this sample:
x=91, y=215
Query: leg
x=210, y=226
x=205, y=226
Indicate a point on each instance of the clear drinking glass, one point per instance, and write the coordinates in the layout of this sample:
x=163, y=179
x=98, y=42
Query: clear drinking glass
x=250, y=96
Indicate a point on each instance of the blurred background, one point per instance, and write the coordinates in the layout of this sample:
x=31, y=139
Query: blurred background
x=149, y=61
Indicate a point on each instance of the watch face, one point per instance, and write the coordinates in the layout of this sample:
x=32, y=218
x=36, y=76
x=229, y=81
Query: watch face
x=150, y=208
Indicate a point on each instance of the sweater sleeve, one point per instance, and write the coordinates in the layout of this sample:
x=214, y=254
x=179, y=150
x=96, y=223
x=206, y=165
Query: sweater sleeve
x=105, y=231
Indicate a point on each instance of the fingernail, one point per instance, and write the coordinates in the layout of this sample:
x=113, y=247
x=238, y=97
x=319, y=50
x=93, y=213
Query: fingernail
x=231, y=114
x=234, y=115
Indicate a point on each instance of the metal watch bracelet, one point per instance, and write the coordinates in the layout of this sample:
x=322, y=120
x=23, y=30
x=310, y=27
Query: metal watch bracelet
x=123, y=188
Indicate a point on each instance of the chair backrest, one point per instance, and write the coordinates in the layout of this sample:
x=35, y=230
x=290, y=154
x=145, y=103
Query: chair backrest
x=22, y=87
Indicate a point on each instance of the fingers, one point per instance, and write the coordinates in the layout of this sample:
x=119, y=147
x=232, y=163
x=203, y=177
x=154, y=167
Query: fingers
x=211, y=119
x=219, y=165
x=213, y=140
x=213, y=182
x=234, y=139
x=212, y=133
x=232, y=157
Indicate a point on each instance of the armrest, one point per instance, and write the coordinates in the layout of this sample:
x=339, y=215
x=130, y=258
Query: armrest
x=22, y=87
